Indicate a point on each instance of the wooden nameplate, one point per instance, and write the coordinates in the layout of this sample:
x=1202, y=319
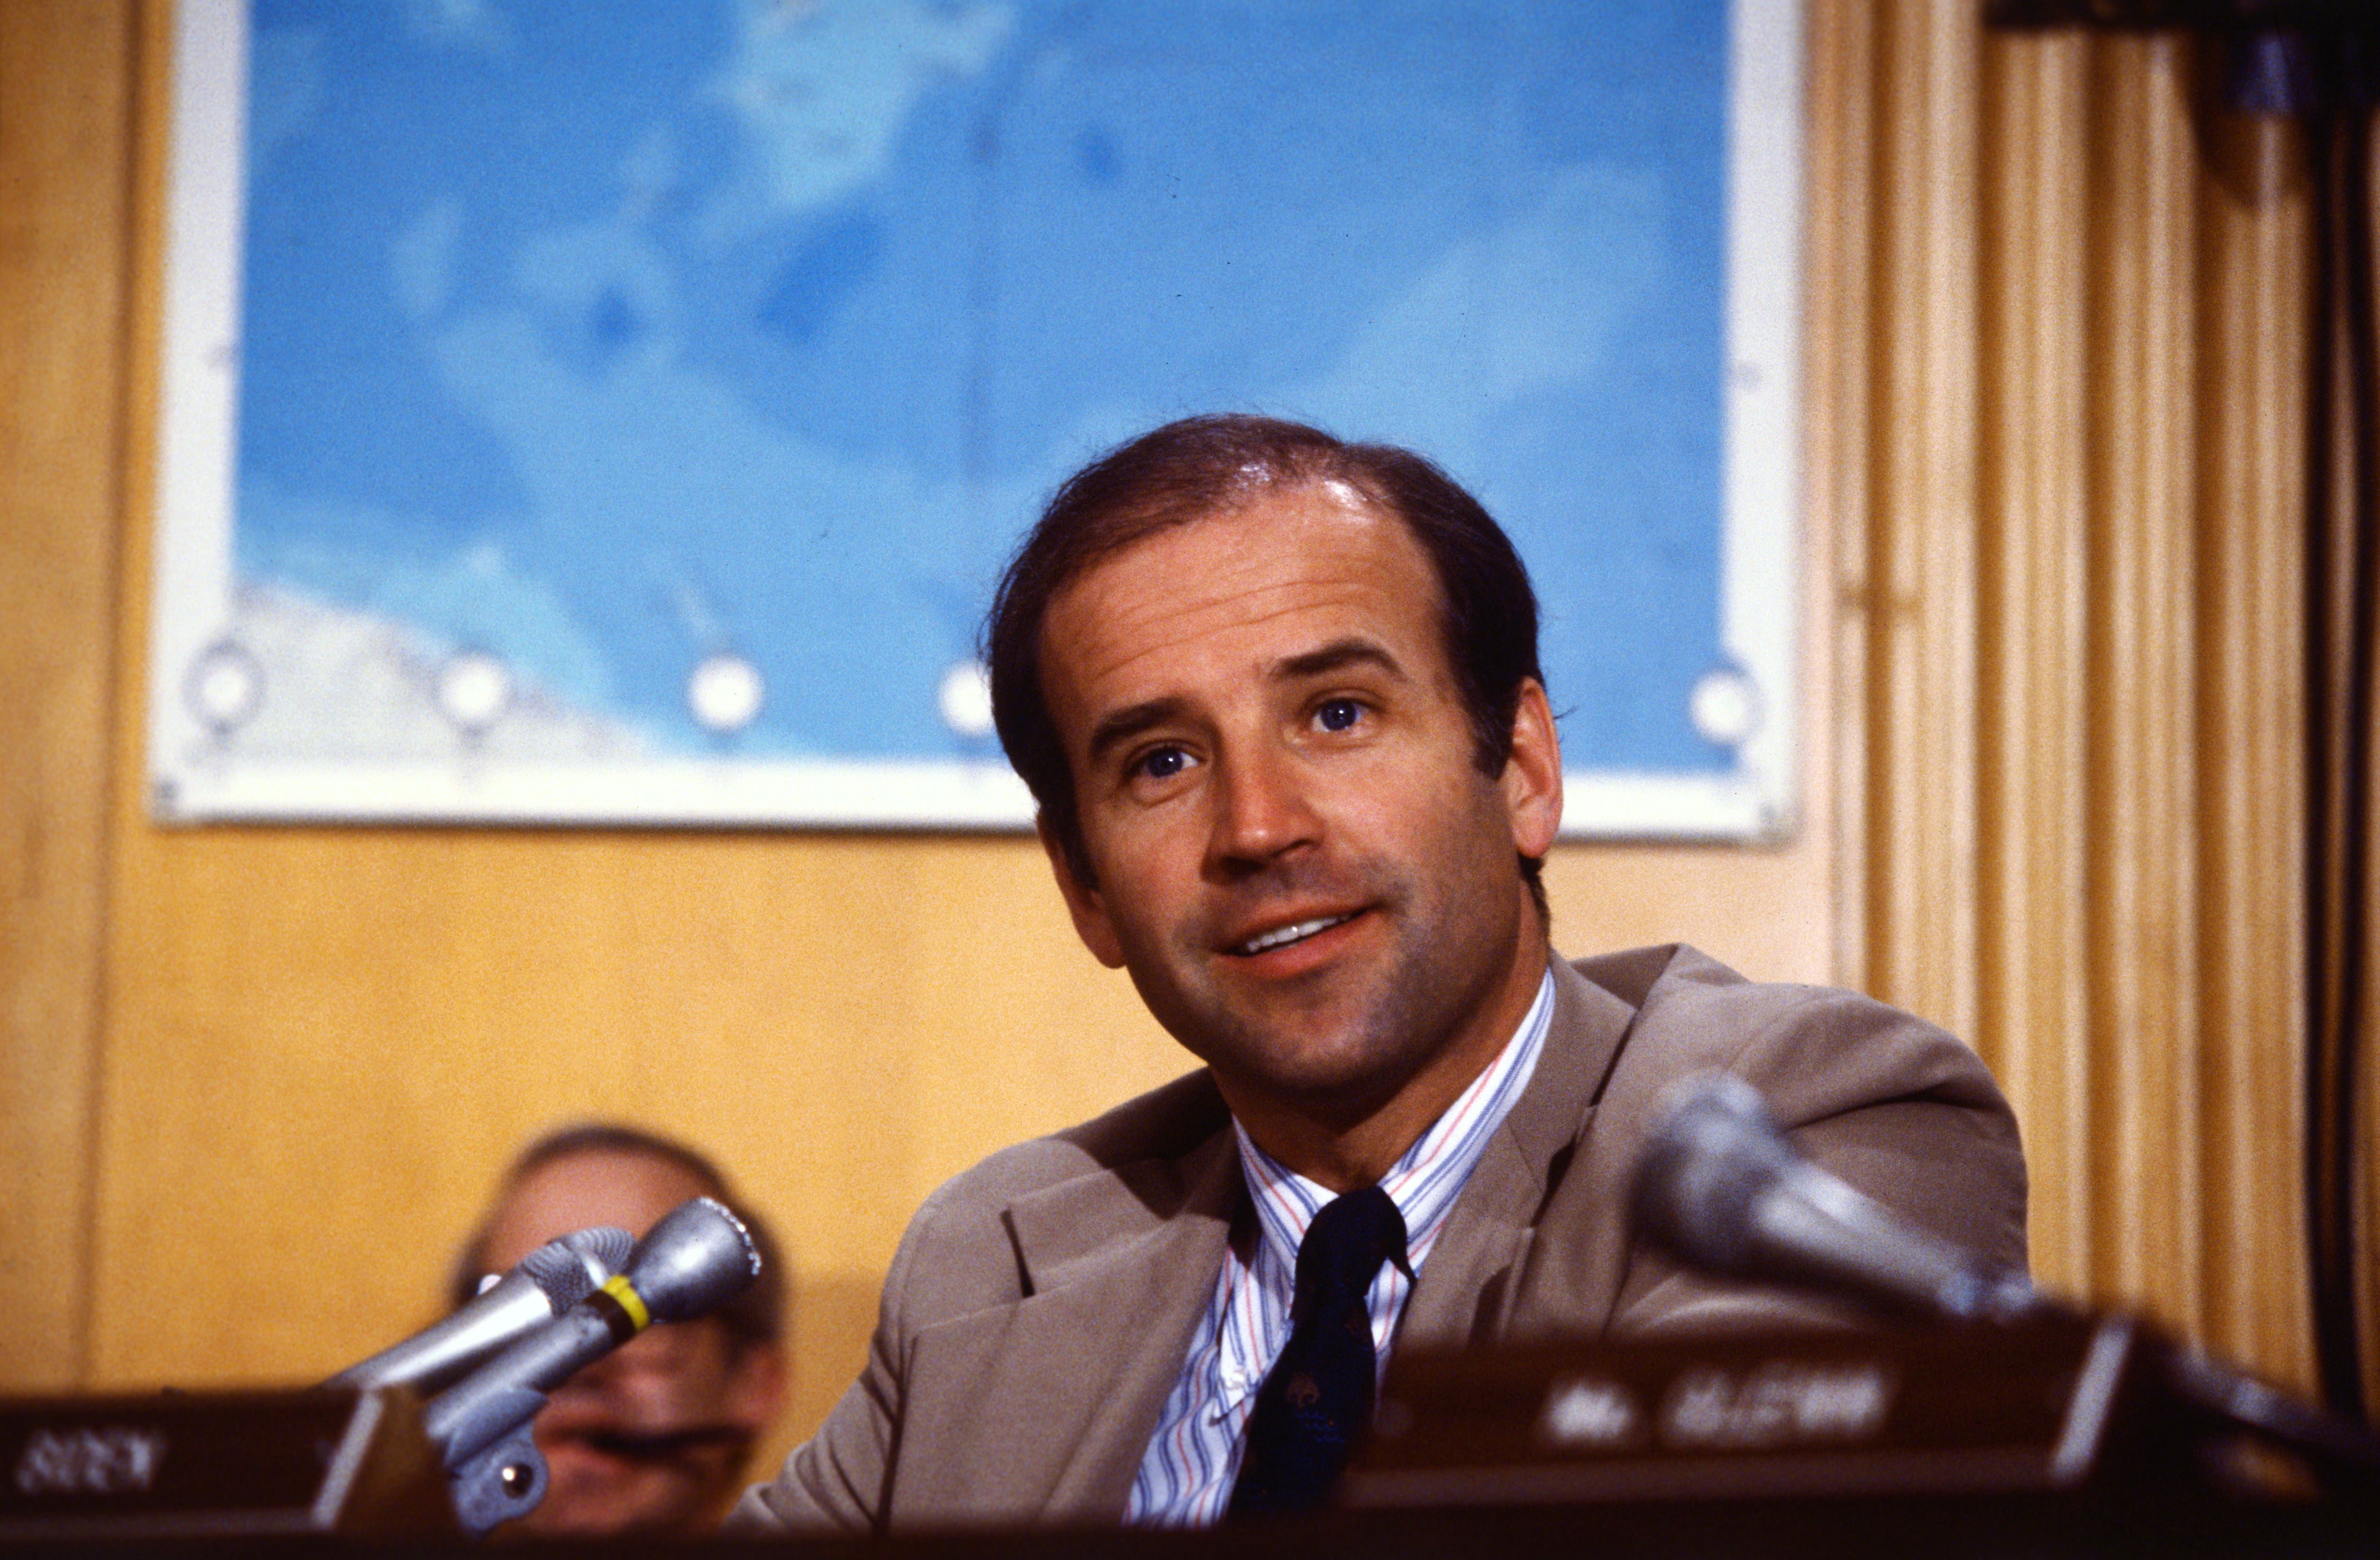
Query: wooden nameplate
x=247, y=1463
x=1949, y=1410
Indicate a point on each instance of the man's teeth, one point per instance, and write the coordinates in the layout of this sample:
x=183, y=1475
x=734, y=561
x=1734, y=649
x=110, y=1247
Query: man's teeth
x=1290, y=933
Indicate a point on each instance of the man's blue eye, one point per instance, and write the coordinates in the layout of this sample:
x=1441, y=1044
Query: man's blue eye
x=1339, y=715
x=1163, y=763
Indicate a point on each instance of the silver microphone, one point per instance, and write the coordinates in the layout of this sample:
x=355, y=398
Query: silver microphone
x=542, y=1286
x=1720, y=1186
x=699, y=1256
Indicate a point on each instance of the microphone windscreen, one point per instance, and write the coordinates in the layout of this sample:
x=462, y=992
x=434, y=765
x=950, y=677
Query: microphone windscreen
x=560, y=1270
x=1706, y=1170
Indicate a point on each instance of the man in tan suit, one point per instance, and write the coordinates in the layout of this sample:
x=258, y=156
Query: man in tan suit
x=1278, y=700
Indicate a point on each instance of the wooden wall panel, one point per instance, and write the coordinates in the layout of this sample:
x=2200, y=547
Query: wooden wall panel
x=64, y=185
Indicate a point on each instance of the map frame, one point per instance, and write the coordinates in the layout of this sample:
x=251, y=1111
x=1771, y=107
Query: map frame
x=199, y=684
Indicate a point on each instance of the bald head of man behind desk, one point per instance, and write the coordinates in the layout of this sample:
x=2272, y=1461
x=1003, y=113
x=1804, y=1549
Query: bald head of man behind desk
x=656, y=1436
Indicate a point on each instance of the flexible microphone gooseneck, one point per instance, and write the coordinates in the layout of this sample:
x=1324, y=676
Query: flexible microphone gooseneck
x=542, y=1286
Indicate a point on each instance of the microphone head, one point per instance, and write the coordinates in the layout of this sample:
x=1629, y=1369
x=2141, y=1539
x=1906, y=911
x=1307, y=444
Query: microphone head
x=1705, y=1169
x=696, y=1259
x=1720, y=1186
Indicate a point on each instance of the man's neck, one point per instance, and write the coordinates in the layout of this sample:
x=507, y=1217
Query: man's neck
x=1344, y=1151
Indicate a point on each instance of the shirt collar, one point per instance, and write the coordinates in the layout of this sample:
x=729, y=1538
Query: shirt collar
x=1426, y=1181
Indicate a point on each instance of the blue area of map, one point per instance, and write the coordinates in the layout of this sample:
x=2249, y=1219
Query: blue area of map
x=608, y=336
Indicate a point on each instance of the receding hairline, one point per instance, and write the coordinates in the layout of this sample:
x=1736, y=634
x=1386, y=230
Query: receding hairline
x=1199, y=466
x=1148, y=523
x=666, y=1165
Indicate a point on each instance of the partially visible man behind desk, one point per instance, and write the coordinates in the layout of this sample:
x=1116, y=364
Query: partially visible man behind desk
x=1279, y=701
x=656, y=1437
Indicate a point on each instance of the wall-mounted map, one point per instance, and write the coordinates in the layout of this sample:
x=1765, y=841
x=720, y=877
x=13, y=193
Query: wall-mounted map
x=620, y=411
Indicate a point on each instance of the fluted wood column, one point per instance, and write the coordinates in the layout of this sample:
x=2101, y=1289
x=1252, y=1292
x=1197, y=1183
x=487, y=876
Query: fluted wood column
x=2140, y=670
x=2257, y=272
x=1921, y=549
x=2034, y=739
x=2059, y=410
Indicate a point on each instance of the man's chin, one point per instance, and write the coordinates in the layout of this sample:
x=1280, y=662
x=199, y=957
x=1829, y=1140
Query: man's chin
x=1335, y=1085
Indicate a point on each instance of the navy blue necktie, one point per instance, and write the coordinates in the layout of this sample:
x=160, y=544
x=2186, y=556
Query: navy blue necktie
x=1317, y=1398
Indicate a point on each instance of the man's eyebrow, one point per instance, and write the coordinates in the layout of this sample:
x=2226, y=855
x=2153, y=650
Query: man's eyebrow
x=1335, y=656
x=1119, y=727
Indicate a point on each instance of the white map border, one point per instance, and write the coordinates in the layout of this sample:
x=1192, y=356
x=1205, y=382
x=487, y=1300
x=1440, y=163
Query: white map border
x=193, y=781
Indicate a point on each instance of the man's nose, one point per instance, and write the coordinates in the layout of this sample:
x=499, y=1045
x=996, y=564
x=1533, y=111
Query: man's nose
x=1262, y=811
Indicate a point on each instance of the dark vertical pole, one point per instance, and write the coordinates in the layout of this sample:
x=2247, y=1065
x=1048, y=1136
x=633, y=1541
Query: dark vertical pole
x=2338, y=647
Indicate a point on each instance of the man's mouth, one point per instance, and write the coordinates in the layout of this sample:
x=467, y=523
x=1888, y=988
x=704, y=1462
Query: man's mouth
x=1281, y=936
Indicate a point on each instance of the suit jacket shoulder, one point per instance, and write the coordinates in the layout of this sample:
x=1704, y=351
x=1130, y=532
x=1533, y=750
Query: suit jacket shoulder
x=1891, y=1103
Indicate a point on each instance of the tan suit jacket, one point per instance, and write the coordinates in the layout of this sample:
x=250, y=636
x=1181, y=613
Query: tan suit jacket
x=1042, y=1304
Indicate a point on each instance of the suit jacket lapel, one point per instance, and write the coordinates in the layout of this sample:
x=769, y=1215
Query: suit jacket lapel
x=1467, y=1289
x=1041, y=1411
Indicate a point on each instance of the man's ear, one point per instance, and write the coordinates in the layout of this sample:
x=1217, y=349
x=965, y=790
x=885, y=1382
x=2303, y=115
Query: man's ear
x=1086, y=904
x=1533, y=773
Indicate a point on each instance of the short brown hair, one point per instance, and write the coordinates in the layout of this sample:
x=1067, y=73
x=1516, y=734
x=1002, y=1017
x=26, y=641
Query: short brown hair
x=1202, y=465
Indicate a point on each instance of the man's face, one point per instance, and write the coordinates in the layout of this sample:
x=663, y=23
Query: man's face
x=653, y=1436
x=1296, y=855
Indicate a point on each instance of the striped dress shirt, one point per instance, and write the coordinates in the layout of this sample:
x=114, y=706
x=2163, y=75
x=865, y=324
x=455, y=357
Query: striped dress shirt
x=1185, y=1476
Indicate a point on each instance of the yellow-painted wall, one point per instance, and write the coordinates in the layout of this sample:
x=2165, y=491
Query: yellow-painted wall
x=253, y=1081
